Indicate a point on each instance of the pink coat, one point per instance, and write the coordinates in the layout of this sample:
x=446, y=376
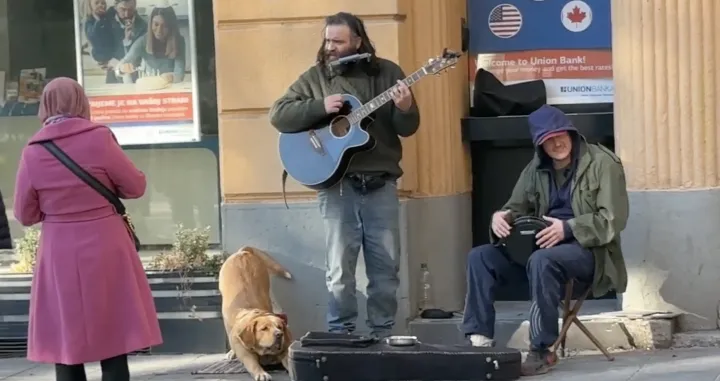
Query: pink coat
x=90, y=297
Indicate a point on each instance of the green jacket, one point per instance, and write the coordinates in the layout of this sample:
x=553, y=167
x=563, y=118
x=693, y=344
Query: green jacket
x=599, y=202
x=302, y=108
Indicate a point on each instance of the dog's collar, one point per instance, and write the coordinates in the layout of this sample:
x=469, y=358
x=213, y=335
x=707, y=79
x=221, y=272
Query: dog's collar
x=283, y=317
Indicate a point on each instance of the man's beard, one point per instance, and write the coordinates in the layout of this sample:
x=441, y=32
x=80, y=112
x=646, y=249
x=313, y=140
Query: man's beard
x=127, y=20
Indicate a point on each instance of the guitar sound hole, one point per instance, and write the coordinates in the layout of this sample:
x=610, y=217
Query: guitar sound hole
x=340, y=127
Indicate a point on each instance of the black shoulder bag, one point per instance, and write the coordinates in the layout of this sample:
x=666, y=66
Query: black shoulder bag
x=94, y=184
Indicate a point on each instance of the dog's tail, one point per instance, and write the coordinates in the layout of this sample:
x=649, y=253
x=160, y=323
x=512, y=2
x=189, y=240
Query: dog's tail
x=273, y=265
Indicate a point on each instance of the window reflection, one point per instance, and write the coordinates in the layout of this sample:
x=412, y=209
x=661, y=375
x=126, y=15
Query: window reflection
x=187, y=195
x=183, y=181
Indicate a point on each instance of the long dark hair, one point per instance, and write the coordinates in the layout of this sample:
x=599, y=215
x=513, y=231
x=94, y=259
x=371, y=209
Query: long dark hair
x=357, y=29
x=171, y=48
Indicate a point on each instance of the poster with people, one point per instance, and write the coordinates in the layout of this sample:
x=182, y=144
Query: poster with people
x=136, y=61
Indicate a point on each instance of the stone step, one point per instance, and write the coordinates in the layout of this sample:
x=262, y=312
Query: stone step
x=7, y=258
x=615, y=329
x=697, y=339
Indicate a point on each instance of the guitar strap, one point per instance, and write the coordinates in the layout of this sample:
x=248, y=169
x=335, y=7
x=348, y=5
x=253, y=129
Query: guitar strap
x=284, y=182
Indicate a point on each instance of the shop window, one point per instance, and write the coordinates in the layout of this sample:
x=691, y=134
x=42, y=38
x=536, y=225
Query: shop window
x=38, y=42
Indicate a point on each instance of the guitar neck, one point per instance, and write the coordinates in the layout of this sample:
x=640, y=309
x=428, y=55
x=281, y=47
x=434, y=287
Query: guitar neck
x=369, y=107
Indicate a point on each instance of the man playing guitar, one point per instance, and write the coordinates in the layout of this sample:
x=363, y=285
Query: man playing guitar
x=362, y=210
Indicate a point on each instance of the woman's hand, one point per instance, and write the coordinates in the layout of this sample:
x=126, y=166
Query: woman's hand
x=169, y=77
x=127, y=68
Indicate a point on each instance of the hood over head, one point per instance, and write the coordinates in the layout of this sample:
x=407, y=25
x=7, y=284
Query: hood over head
x=548, y=121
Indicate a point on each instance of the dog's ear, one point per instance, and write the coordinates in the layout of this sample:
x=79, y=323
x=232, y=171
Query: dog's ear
x=247, y=334
x=287, y=336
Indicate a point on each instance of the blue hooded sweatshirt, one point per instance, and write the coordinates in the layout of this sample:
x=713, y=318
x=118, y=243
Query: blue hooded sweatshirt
x=544, y=121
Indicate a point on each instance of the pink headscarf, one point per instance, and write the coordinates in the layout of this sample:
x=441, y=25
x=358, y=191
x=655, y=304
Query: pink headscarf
x=64, y=97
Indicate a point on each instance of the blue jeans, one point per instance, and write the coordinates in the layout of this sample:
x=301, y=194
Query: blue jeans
x=548, y=271
x=371, y=221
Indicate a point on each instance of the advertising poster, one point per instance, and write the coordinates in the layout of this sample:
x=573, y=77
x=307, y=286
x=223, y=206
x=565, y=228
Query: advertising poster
x=565, y=43
x=136, y=61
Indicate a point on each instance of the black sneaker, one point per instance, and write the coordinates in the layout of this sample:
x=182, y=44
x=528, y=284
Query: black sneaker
x=538, y=362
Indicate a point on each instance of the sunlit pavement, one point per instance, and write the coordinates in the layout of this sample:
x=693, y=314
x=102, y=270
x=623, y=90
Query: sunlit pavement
x=687, y=364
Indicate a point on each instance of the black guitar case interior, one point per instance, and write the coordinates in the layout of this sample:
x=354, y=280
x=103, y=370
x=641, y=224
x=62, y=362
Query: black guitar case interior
x=320, y=356
x=520, y=244
x=492, y=98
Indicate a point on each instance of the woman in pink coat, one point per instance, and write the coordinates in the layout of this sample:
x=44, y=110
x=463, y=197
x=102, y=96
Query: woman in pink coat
x=90, y=298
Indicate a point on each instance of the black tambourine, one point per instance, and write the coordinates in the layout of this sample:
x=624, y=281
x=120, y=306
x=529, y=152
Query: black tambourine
x=520, y=244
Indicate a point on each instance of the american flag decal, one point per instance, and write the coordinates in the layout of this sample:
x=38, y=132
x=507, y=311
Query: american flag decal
x=505, y=20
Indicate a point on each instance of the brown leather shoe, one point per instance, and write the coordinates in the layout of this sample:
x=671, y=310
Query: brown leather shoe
x=538, y=362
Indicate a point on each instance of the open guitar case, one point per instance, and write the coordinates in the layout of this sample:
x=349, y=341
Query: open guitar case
x=337, y=356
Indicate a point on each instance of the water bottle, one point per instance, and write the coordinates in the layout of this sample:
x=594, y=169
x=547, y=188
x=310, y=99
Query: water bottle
x=425, y=287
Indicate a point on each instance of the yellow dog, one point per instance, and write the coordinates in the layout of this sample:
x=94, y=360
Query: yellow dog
x=253, y=329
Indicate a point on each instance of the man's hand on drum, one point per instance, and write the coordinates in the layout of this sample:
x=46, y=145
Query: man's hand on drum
x=499, y=224
x=551, y=235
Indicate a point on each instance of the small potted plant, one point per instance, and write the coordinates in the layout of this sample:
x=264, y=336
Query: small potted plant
x=185, y=288
x=15, y=286
x=26, y=252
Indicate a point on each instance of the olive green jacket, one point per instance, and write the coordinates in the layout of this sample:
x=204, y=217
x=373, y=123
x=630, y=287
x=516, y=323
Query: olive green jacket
x=599, y=202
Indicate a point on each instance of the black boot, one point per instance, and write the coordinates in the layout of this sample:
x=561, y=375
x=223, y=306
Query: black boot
x=115, y=369
x=538, y=362
x=70, y=372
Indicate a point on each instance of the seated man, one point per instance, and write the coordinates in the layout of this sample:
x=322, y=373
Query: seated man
x=579, y=188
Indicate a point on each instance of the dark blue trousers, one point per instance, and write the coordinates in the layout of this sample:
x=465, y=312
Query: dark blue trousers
x=548, y=271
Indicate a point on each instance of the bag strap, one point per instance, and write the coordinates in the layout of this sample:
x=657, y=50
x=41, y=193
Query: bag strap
x=86, y=177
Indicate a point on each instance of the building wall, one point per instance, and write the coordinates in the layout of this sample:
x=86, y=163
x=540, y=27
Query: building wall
x=667, y=97
x=261, y=48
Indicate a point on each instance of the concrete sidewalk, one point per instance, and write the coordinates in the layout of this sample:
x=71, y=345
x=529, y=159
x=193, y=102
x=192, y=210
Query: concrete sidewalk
x=686, y=364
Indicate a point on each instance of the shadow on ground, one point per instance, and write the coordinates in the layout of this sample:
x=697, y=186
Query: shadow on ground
x=687, y=364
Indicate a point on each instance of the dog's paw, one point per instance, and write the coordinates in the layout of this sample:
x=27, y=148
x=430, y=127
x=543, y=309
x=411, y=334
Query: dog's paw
x=264, y=376
x=230, y=355
x=285, y=363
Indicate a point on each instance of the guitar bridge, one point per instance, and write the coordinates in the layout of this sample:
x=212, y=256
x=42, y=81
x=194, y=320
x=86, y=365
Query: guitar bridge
x=316, y=143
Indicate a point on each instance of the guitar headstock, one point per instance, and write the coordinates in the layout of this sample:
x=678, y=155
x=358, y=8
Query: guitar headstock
x=447, y=60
